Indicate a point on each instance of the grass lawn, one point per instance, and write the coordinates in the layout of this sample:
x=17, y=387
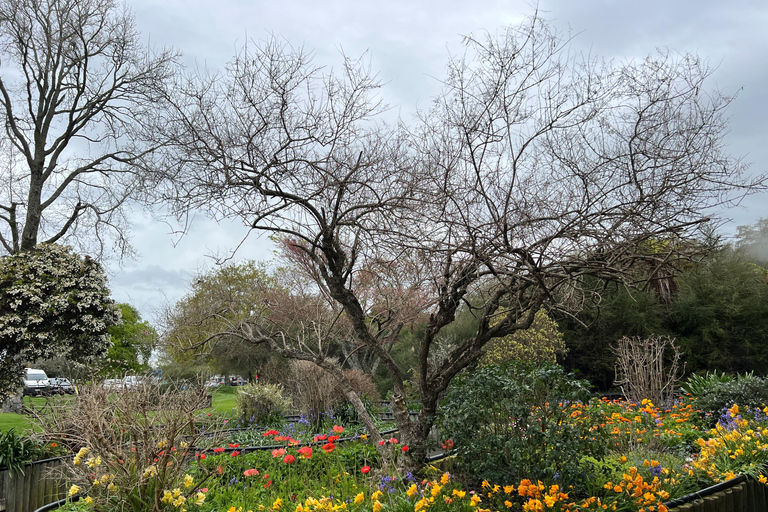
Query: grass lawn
x=223, y=399
x=9, y=420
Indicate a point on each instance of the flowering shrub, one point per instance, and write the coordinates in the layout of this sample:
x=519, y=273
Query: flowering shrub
x=52, y=302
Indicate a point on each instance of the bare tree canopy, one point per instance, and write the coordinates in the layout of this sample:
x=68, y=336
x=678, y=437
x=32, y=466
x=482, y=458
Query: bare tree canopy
x=532, y=170
x=78, y=98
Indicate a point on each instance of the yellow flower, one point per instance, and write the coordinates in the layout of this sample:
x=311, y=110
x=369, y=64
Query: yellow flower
x=277, y=504
x=377, y=506
x=188, y=481
x=167, y=496
x=445, y=478
x=762, y=479
x=412, y=490
x=508, y=504
x=299, y=508
x=509, y=489
x=459, y=494
x=150, y=471
x=436, y=490
x=200, y=498
x=360, y=498
x=422, y=504
x=375, y=496
x=89, y=500
x=73, y=490
x=475, y=500
x=111, y=487
x=178, y=502
x=550, y=501
x=184, y=444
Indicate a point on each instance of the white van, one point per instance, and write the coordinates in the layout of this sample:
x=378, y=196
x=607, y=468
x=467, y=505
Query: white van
x=36, y=382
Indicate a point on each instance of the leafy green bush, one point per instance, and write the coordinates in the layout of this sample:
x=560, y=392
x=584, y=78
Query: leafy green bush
x=16, y=451
x=698, y=385
x=746, y=390
x=511, y=422
x=262, y=403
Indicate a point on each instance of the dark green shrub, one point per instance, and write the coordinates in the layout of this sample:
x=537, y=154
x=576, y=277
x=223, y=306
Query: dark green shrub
x=16, y=451
x=510, y=422
x=262, y=403
x=745, y=390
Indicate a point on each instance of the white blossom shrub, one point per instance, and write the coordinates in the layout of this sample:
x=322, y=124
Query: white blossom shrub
x=52, y=302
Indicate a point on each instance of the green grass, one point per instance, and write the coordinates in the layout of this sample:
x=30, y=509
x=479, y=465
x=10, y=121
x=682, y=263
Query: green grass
x=223, y=399
x=9, y=420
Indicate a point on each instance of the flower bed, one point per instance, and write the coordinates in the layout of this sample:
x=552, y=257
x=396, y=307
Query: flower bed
x=655, y=455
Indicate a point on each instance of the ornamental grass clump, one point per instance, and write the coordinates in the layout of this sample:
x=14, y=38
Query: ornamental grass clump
x=262, y=403
x=136, y=448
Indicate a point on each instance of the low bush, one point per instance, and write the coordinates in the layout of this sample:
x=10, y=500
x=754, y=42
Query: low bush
x=719, y=394
x=511, y=422
x=262, y=403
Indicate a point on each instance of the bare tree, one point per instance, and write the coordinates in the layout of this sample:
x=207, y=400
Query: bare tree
x=78, y=98
x=533, y=170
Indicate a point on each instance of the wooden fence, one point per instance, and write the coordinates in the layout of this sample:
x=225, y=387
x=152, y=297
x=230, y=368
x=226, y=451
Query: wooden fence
x=747, y=495
x=38, y=486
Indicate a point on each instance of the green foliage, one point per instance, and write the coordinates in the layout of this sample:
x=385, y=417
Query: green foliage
x=261, y=403
x=17, y=450
x=203, y=319
x=746, y=390
x=541, y=342
x=699, y=385
x=510, y=422
x=52, y=302
x=719, y=315
x=132, y=344
x=620, y=312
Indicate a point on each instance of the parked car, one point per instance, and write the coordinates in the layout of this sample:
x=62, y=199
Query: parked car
x=112, y=384
x=36, y=383
x=132, y=381
x=62, y=386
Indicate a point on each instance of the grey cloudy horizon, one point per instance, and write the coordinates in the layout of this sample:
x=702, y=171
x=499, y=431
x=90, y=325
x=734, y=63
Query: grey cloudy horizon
x=408, y=45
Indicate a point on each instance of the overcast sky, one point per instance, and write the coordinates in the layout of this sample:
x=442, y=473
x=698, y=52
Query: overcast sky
x=409, y=43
